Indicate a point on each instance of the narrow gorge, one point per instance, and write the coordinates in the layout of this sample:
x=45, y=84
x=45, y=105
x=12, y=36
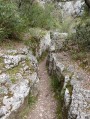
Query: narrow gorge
x=39, y=78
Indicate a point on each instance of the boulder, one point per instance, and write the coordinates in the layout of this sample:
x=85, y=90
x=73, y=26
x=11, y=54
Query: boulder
x=57, y=41
x=76, y=104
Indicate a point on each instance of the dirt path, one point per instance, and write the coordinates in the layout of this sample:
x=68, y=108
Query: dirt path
x=45, y=107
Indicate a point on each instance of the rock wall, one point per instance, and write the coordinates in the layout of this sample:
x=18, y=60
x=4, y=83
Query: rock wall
x=76, y=98
x=44, y=44
x=18, y=77
x=43, y=40
x=67, y=7
x=71, y=8
x=57, y=40
x=43, y=2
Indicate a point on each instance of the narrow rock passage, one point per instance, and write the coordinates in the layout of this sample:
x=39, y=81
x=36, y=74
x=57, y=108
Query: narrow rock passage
x=45, y=107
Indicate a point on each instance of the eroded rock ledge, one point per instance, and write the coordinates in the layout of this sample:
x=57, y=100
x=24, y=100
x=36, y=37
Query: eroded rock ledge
x=75, y=89
x=18, y=75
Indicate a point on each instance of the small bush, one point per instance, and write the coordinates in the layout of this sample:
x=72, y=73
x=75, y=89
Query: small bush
x=11, y=23
x=78, y=55
x=82, y=36
x=33, y=43
x=31, y=100
x=16, y=16
x=38, y=16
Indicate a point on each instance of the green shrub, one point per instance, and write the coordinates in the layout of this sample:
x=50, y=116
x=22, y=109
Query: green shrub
x=78, y=55
x=33, y=43
x=82, y=35
x=38, y=16
x=11, y=24
x=16, y=16
x=32, y=99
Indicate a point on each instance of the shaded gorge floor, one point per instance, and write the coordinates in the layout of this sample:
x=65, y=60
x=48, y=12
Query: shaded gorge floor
x=45, y=107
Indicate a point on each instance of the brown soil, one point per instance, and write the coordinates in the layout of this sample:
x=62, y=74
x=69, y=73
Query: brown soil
x=45, y=107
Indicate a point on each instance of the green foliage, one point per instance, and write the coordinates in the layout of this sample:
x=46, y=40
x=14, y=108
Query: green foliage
x=82, y=36
x=55, y=84
x=69, y=87
x=43, y=56
x=33, y=43
x=1, y=63
x=78, y=43
x=38, y=16
x=13, y=80
x=86, y=12
x=57, y=88
x=37, y=33
x=16, y=16
x=11, y=23
x=31, y=100
x=78, y=55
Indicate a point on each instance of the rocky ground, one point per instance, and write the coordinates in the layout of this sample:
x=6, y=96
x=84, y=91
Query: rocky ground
x=18, y=73
x=76, y=85
x=45, y=107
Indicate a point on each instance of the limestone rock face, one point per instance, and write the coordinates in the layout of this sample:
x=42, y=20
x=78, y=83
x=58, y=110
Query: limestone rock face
x=67, y=97
x=80, y=102
x=12, y=61
x=43, y=2
x=57, y=41
x=68, y=8
x=45, y=43
x=17, y=78
x=71, y=8
x=43, y=40
x=76, y=97
x=4, y=78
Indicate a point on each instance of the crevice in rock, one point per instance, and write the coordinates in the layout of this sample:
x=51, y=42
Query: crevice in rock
x=59, y=87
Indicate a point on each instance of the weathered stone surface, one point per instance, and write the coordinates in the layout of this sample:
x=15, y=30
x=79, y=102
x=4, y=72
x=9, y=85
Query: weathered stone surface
x=71, y=8
x=19, y=78
x=33, y=78
x=66, y=80
x=23, y=51
x=43, y=2
x=80, y=105
x=4, y=78
x=57, y=41
x=12, y=61
x=45, y=43
x=3, y=90
x=14, y=52
x=76, y=98
x=67, y=97
x=1, y=113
